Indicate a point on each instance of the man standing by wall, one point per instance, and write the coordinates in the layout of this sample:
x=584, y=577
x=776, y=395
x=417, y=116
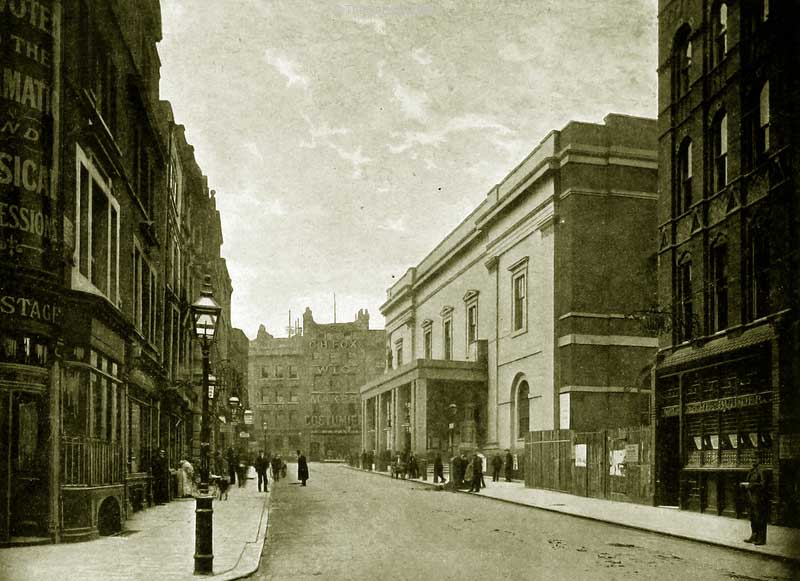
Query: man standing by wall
x=302, y=468
x=509, y=465
x=756, y=486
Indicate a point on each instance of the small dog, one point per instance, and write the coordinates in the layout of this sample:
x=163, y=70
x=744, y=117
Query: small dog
x=222, y=485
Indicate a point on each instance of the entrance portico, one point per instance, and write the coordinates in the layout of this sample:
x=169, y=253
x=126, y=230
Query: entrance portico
x=425, y=406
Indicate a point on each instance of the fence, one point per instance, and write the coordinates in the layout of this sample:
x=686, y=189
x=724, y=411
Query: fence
x=90, y=462
x=610, y=464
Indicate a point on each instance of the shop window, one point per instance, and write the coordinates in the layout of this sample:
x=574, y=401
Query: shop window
x=718, y=293
x=96, y=231
x=719, y=146
x=684, y=182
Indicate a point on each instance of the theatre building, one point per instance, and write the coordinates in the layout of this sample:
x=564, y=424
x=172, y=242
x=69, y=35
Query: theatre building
x=304, y=388
x=518, y=320
x=727, y=370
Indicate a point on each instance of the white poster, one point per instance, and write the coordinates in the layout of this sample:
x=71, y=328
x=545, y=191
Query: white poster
x=580, y=454
x=564, y=411
x=616, y=461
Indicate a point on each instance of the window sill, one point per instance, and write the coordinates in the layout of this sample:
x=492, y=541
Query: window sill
x=519, y=332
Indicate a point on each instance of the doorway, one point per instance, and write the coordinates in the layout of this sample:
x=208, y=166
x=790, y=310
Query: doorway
x=668, y=452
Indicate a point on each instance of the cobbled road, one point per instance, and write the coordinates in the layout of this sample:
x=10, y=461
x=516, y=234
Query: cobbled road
x=348, y=524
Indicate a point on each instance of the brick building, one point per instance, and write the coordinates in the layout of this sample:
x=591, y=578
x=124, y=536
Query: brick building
x=727, y=369
x=518, y=320
x=107, y=228
x=304, y=388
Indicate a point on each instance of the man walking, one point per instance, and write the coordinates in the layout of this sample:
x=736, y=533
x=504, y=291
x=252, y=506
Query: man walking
x=756, y=486
x=497, y=464
x=233, y=463
x=509, y=465
x=438, y=469
x=302, y=468
x=477, y=473
x=261, y=464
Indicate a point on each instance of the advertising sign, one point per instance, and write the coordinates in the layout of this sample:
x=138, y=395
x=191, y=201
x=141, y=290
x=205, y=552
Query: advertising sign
x=28, y=228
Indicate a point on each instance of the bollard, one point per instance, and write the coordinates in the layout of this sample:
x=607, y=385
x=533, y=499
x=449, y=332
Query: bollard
x=203, y=535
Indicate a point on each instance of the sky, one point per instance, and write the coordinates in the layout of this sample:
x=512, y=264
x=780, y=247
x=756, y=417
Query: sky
x=345, y=140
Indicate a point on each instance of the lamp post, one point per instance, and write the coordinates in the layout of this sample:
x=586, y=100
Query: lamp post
x=264, y=430
x=453, y=408
x=205, y=313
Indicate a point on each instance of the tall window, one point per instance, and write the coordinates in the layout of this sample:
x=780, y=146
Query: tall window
x=720, y=28
x=427, y=341
x=718, y=293
x=523, y=410
x=448, y=339
x=682, y=64
x=145, y=295
x=97, y=230
x=762, y=135
x=143, y=171
x=398, y=351
x=757, y=274
x=98, y=70
x=472, y=323
x=684, y=182
x=292, y=371
x=519, y=302
x=719, y=145
x=684, y=307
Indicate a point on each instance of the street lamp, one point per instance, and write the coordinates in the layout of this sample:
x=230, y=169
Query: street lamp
x=264, y=430
x=205, y=313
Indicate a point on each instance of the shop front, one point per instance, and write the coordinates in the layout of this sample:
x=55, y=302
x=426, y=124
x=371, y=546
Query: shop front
x=714, y=417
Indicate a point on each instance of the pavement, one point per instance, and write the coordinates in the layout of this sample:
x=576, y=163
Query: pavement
x=782, y=542
x=156, y=543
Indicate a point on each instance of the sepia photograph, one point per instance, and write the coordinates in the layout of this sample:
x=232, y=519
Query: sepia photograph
x=399, y=290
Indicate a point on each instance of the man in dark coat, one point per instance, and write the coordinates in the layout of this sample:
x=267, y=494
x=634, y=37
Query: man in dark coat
x=233, y=463
x=160, y=478
x=477, y=474
x=261, y=465
x=302, y=468
x=438, y=469
x=509, y=465
x=756, y=487
x=497, y=464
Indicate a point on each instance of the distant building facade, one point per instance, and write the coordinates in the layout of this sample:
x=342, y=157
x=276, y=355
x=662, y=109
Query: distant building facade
x=518, y=320
x=304, y=388
x=727, y=371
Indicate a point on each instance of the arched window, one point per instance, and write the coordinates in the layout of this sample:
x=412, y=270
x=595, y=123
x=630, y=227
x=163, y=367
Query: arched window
x=684, y=175
x=523, y=410
x=681, y=63
x=719, y=150
x=719, y=21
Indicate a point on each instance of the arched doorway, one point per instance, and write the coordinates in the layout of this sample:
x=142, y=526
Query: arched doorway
x=109, y=517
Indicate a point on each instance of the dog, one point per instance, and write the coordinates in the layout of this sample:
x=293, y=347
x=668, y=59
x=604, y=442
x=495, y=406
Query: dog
x=222, y=484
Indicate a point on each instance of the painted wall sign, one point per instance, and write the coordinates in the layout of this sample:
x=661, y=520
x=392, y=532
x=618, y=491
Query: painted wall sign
x=719, y=405
x=332, y=420
x=333, y=344
x=30, y=308
x=335, y=369
x=28, y=232
x=328, y=398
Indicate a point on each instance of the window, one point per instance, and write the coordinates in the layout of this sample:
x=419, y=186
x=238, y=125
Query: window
x=684, y=181
x=427, y=342
x=448, y=339
x=720, y=31
x=398, y=353
x=762, y=135
x=292, y=371
x=99, y=73
x=96, y=231
x=293, y=397
x=523, y=410
x=719, y=144
x=519, y=303
x=472, y=323
x=684, y=311
x=682, y=64
x=757, y=275
x=280, y=397
x=718, y=293
x=145, y=295
x=264, y=371
x=279, y=371
x=143, y=171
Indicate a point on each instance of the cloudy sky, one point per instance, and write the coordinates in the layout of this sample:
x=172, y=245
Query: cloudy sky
x=344, y=140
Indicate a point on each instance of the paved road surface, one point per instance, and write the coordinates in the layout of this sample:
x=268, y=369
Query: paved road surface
x=353, y=525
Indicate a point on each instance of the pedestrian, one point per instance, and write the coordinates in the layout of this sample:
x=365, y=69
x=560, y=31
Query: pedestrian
x=276, y=467
x=233, y=463
x=469, y=473
x=483, y=463
x=477, y=473
x=262, y=464
x=161, y=475
x=413, y=467
x=241, y=472
x=302, y=468
x=364, y=460
x=509, y=465
x=756, y=487
x=438, y=469
x=497, y=464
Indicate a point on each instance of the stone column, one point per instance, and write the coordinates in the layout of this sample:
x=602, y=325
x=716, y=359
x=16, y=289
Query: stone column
x=419, y=407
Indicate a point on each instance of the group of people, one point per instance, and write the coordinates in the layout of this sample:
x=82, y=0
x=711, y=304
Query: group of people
x=405, y=465
x=263, y=463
